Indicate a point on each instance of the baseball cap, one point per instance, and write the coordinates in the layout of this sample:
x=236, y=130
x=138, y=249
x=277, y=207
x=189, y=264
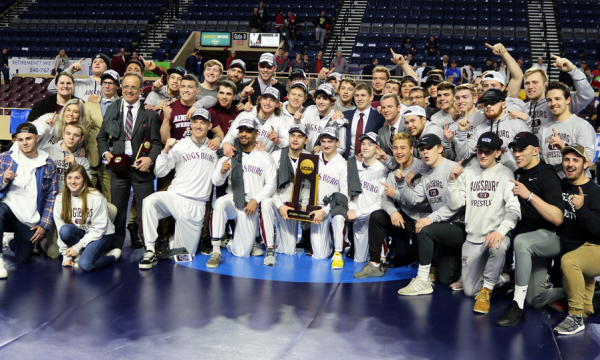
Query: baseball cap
x=301, y=128
x=579, y=149
x=297, y=72
x=429, y=140
x=267, y=58
x=494, y=75
x=249, y=123
x=334, y=74
x=524, y=139
x=415, y=110
x=409, y=78
x=453, y=62
x=489, y=140
x=436, y=78
x=271, y=91
x=329, y=131
x=370, y=135
x=203, y=113
x=110, y=74
x=177, y=70
x=300, y=85
x=26, y=128
x=493, y=95
x=326, y=89
x=238, y=63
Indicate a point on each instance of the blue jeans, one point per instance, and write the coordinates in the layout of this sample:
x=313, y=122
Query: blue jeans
x=21, y=245
x=5, y=73
x=291, y=45
x=91, y=256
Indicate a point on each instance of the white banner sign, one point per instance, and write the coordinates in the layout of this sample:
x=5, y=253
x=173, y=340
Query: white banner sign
x=264, y=40
x=26, y=66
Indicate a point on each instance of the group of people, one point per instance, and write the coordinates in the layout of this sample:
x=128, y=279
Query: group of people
x=461, y=179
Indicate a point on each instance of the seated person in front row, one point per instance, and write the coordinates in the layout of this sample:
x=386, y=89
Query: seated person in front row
x=185, y=199
x=84, y=229
x=27, y=195
x=252, y=179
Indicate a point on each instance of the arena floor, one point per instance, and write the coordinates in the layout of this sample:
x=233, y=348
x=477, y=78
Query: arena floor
x=187, y=312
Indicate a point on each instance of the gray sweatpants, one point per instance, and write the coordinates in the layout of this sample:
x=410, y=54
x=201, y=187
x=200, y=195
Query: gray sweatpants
x=480, y=262
x=533, y=257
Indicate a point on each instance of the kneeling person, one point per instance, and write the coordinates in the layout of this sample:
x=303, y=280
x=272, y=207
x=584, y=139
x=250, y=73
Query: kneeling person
x=185, y=199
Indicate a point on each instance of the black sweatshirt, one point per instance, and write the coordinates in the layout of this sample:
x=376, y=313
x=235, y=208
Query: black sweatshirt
x=543, y=181
x=583, y=225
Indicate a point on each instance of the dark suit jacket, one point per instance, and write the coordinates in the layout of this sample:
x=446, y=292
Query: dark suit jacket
x=147, y=125
x=257, y=92
x=374, y=123
x=385, y=135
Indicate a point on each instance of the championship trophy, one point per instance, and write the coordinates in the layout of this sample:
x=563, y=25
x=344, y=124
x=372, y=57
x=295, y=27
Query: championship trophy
x=121, y=163
x=306, y=185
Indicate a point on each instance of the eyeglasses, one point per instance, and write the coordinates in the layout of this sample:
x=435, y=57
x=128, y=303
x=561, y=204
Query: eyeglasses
x=108, y=83
x=132, y=88
x=415, y=98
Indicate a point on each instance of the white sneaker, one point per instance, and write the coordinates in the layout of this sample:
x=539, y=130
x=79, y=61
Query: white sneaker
x=256, y=250
x=3, y=269
x=6, y=239
x=76, y=262
x=417, y=287
x=116, y=253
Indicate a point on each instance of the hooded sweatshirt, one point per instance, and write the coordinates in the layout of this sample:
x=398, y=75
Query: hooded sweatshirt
x=415, y=212
x=583, y=225
x=430, y=128
x=277, y=123
x=490, y=204
x=202, y=102
x=451, y=147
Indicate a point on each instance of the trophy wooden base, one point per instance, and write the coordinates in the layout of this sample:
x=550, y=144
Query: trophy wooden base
x=120, y=163
x=301, y=215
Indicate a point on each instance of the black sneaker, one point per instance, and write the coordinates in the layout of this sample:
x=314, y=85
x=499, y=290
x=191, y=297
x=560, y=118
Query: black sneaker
x=162, y=246
x=206, y=248
x=149, y=260
x=136, y=243
x=512, y=316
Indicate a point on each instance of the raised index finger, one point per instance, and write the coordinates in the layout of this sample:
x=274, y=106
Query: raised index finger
x=252, y=83
x=489, y=46
x=460, y=162
x=554, y=56
x=580, y=191
x=81, y=60
x=392, y=51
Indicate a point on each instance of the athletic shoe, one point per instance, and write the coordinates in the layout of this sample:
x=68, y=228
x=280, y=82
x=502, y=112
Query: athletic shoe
x=162, y=249
x=433, y=276
x=308, y=252
x=76, y=262
x=6, y=239
x=561, y=305
x=136, y=243
x=350, y=252
x=256, y=250
x=214, y=261
x=149, y=260
x=457, y=286
x=370, y=270
x=270, y=258
x=116, y=253
x=224, y=242
x=482, y=305
x=512, y=316
x=417, y=286
x=205, y=249
x=337, y=261
x=3, y=269
x=570, y=325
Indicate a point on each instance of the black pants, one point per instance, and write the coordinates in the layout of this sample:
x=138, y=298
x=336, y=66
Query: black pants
x=120, y=188
x=380, y=223
x=21, y=245
x=449, y=236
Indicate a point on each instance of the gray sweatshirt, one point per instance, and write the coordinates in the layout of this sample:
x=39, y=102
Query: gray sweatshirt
x=415, y=212
x=451, y=147
x=538, y=114
x=202, y=102
x=434, y=188
x=430, y=128
x=573, y=130
x=82, y=88
x=490, y=204
x=440, y=118
x=505, y=128
x=339, y=107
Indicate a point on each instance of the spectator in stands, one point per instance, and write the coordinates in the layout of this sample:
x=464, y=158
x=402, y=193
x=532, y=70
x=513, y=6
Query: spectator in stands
x=488, y=65
x=293, y=29
x=368, y=69
x=407, y=46
x=266, y=70
x=467, y=72
x=174, y=7
x=339, y=63
x=278, y=20
x=454, y=73
x=255, y=21
x=540, y=64
x=61, y=62
x=297, y=63
x=192, y=62
x=55, y=102
x=345, y=99
x=444, y=64
x=285, y=33
x=422, y=71
x=307, y=64
x=318, y=64
x=90, y=86
x=503, y=69
x=322, y=27
x=582, y=64
x=230, y=59
x=118, y=62
x=596, y=77
x=4, y=65
x=588, y=74
x=134, y=56
x=263, y=17
x=282, y=62
x=495, y=65
x=433, y=47
x=213, y=70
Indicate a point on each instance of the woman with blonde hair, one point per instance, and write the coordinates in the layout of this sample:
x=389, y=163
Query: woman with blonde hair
x=61, y=62
x=84, y=229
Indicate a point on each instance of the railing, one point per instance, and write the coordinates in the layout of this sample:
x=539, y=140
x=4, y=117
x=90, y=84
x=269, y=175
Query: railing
x=342, y=26
x=151, y=35
x=545, y=37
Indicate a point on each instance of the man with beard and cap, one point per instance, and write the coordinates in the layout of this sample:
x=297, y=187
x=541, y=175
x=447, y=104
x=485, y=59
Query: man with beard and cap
x=84, y=88
x=418, y=126
x=498, y=122
x=264, y=80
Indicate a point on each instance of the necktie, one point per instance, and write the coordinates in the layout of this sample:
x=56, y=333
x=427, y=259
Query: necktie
x=359, y=132
x=129, y=124
x=393, y=131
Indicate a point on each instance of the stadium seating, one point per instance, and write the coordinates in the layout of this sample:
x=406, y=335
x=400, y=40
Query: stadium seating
x=23, y=92
x=579, y=22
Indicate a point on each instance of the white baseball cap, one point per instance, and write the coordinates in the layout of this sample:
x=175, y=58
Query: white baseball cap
x=494, y=75
x=415, y=110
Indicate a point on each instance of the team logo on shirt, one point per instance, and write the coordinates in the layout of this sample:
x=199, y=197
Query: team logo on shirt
x=434, y=193
x=307, y=166
x=483, y=188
